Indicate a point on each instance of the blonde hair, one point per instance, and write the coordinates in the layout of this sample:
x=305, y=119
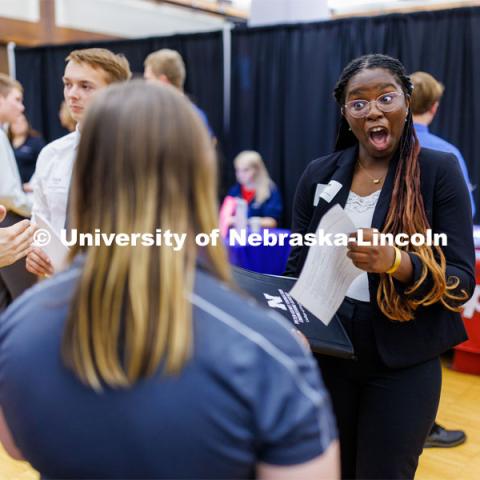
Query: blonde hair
x=263, y=182
x=169, y=63
x=7, y=84
x=135, y=172
x=426, y=92
x=115, y=66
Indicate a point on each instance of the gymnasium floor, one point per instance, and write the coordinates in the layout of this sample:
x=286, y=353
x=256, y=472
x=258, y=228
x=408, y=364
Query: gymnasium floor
x=459, y=408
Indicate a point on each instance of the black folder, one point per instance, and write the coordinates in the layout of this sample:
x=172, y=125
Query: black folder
x=271, y=291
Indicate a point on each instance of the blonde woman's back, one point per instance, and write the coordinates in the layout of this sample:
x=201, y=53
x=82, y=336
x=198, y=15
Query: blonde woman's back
x=240, y=400
x=136, y=362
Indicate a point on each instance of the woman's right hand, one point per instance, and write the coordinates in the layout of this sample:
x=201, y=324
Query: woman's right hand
x=38, y=263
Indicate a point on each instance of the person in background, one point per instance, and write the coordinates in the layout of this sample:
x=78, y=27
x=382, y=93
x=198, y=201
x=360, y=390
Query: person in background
x=427, y=92
x=167, y=66
x=155, y=366
x=14, y=279
x=403, y=310
x=255, y=186
x=65, y=117
x=426, y=97
x=11, y=107
x=87, y=71
x=26, y=143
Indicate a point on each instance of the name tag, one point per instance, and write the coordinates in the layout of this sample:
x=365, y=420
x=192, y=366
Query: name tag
x=318, y=191
x=326, y=192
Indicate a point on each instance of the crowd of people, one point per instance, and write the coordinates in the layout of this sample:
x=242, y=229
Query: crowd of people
x=140, y=362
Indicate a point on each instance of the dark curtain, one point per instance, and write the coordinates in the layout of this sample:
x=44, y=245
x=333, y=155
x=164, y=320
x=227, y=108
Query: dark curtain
x=283, y=78
x=282, y=82
x=40, y=71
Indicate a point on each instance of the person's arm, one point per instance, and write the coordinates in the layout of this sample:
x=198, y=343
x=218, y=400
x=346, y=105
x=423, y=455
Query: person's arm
x=40, y=205
x=452, y=217
x=464, y=169
x=272, y=209
x=38, y=261
x=326, y=466
x=294, y=423
x=12, y=195
x=379, y=259
x=7, y=440
x=268, y=222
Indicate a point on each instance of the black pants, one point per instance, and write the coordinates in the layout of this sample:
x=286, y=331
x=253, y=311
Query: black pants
x=15, y=278
x=383, y=415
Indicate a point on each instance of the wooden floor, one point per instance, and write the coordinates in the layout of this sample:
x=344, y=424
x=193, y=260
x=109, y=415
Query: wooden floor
x=459, y=408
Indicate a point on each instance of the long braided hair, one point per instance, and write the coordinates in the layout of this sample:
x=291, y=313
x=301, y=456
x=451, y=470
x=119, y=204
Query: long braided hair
x=407, y=212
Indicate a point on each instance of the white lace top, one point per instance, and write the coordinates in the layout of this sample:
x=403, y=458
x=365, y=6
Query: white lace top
x=360, y=210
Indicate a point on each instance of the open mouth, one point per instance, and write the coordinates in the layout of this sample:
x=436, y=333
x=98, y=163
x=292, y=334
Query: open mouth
x=379, y=137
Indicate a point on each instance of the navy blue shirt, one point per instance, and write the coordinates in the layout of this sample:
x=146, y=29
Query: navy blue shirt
x=204, y=118
x=250, y=393
x=429, y=140
x=271, y=207
x=26, y=156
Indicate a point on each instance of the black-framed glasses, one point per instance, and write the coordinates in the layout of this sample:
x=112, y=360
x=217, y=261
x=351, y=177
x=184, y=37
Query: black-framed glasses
x=387, y=102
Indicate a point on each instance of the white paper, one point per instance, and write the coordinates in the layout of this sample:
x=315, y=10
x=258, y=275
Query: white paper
x=55, y=249
x=327, y=272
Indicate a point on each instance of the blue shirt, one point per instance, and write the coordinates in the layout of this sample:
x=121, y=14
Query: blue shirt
x=429, y=140
x=26, y=156
x=204, y=118
x=250, y=393
x=271, y=207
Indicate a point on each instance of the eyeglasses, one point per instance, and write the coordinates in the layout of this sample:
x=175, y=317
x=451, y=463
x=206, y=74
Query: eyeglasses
x=387, y=102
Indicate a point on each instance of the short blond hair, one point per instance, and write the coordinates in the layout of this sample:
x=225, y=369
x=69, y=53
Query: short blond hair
x=169, y=63
x=115, y=66
x=426, y=92
x=7, y=84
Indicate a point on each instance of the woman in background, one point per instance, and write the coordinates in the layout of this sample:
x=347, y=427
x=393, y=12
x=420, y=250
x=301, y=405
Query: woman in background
x=139, y=361
x=257, y=188
x=26, y=143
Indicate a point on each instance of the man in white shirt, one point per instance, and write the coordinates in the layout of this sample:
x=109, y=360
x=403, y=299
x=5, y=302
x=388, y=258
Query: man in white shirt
x=14, y=279
x=87, y=71
x=12, y=195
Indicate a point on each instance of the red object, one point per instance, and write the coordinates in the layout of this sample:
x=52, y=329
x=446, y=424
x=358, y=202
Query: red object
x=467, y=354
x=247, y=195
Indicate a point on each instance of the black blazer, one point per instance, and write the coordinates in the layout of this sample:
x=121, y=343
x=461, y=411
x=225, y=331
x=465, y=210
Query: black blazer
x=434, y=329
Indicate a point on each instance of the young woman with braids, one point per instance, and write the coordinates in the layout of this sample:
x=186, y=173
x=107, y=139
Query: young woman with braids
x=402, y=313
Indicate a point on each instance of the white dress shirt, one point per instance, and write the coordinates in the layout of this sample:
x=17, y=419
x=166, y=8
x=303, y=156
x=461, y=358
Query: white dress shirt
x=51, y=180
x=12, y=195
x=360, y=210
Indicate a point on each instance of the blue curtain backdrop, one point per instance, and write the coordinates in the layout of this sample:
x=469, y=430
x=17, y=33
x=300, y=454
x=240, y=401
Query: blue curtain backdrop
x=283, y=78
x=282, y=82
x=40, y=70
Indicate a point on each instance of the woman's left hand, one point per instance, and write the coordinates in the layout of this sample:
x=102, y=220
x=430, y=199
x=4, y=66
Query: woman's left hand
x=370, y=258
